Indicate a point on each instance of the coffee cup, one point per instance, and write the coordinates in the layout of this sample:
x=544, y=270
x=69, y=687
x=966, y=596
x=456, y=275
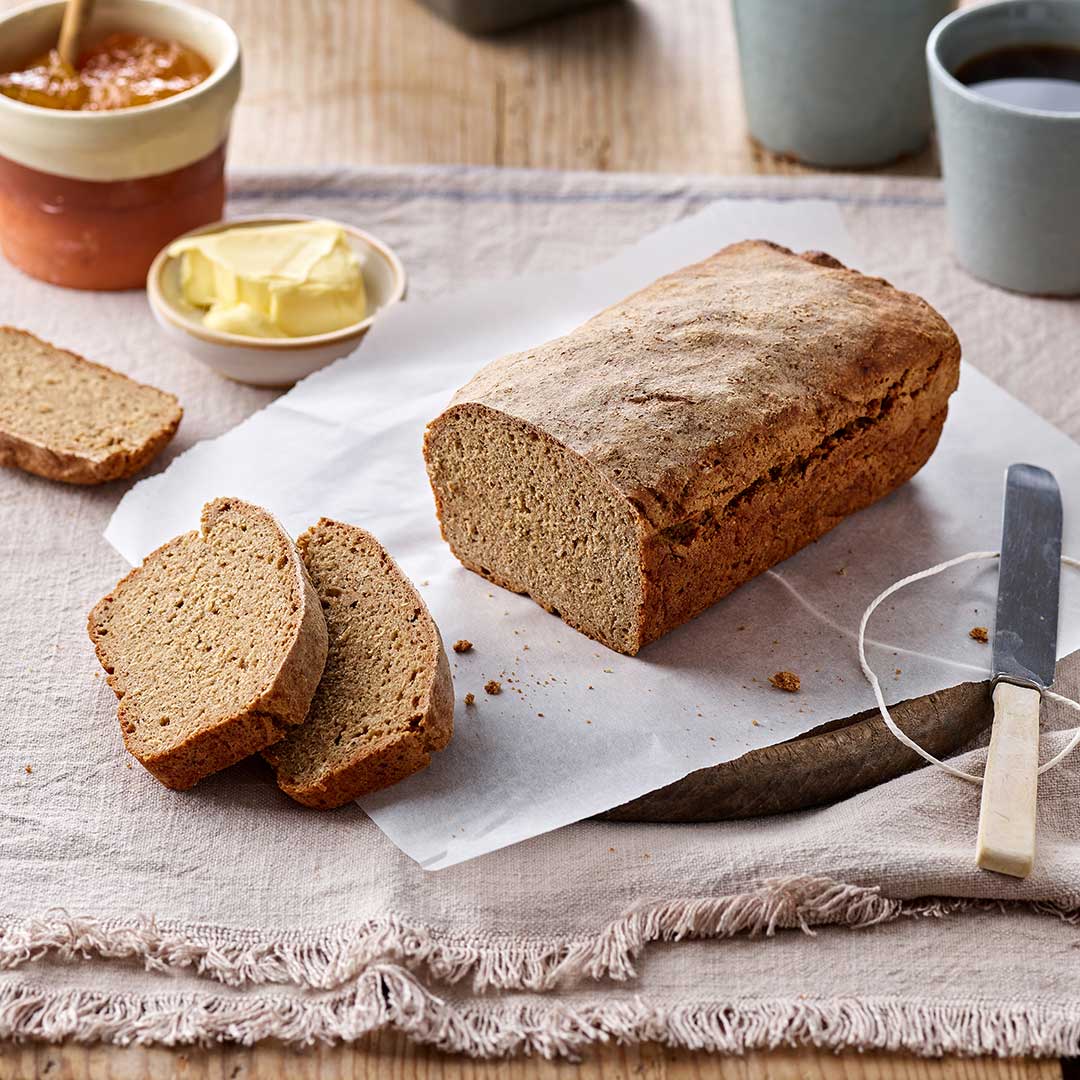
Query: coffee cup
x=1009, y=154
x=837, y=83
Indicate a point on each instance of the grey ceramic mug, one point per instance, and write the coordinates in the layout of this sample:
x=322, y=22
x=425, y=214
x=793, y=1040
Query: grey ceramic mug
x=837, y=83
x=1012, y=175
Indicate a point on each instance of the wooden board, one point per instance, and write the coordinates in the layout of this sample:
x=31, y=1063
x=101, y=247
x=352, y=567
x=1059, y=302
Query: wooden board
x=825, y=765
x=829, y=763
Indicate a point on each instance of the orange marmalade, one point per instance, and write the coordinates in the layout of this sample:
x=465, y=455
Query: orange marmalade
x=120, y=72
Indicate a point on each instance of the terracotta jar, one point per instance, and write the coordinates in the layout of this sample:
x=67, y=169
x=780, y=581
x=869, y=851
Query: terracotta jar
x=87, y=199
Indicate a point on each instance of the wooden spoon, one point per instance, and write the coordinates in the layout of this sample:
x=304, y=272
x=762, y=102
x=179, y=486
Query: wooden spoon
x=76, y=16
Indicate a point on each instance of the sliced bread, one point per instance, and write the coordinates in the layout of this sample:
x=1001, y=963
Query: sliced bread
x=214, y=645
x=386, y=700
x=65, y=418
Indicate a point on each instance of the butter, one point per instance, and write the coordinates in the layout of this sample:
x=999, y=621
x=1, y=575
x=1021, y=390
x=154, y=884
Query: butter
x=272, y=281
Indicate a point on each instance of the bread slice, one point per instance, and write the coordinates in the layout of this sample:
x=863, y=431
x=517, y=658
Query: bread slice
x=386, y=700
x=214, y=645
x=638, y=469
x=65, y=418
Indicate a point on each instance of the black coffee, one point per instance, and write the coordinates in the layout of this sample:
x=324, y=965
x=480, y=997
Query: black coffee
x=1031, y=76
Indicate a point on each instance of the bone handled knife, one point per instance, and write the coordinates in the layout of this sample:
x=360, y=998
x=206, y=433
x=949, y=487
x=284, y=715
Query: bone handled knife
x=1025, y=652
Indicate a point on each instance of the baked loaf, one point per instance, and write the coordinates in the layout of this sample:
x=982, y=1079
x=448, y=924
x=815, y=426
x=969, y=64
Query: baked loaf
x=633, y=472
x=64, y=418
x=386, y=700
x=214, y=645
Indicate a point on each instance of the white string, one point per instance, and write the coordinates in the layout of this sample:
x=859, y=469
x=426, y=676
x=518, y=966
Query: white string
x=890, y=723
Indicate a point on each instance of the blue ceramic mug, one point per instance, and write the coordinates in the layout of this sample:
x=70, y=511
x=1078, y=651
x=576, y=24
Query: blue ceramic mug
x=1012, y=172
x=837, y=83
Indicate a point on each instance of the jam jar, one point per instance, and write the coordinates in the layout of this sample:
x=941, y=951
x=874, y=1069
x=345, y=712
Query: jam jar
x=90, y=191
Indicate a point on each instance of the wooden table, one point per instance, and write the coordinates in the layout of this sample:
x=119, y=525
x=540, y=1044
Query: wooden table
x=645, y=86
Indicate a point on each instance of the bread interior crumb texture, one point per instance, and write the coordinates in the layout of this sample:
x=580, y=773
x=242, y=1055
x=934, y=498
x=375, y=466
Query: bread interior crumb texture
x=53, y=398
x=201, y=630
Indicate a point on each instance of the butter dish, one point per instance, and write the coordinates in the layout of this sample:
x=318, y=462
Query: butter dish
x=227, y=346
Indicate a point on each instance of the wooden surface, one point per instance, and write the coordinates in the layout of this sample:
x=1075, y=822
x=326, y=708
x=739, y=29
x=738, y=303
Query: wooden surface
x=390, y=1057
x=644, y=86
x=649, y=85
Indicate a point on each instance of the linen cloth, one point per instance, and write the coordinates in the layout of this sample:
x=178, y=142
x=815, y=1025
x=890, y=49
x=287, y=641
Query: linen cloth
x=132, y=913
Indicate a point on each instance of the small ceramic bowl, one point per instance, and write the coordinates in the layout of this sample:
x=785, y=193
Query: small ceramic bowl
x=270, y=361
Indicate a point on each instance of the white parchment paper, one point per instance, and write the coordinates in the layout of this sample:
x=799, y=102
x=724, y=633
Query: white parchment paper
x=578, y=729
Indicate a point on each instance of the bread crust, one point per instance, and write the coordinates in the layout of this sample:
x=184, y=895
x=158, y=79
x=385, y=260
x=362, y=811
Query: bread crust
x=741, y=407
x=36, y=457
x=266, y=718
x=392, y=759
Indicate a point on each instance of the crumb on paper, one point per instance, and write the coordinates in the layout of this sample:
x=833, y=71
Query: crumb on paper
x=898, y=672
x=462, y=645
x=492, y=687
x=129, y=764
x=980, y=634
x=612, y=850
x=755, y=723
x=842, y=572
x=609, y=671
x=740, y=627
x=541, y=715
x=787, y=681
x=29, y=770
x=470, y=699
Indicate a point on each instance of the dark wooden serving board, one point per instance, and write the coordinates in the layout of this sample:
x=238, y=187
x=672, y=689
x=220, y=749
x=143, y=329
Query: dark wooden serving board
x=828, y=763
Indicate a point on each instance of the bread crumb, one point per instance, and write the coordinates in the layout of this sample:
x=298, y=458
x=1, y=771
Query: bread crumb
x=609, y=671
x=492, y=687
x=462, y=645
x=842, y=572
x=470, y=699
x=611, y=849
x=29, y=770
x=755, y=723
x=129, y=764
x=980, y=634
x=786, y=680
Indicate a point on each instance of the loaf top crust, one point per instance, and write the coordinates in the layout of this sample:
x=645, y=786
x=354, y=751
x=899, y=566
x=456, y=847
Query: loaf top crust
x=687, y=392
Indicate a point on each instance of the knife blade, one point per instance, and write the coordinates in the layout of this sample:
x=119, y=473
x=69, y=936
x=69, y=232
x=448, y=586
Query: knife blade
x=1024, y=656
x=1025, y=626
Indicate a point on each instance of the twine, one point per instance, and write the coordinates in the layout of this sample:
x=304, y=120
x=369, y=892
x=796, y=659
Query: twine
x=890, y=723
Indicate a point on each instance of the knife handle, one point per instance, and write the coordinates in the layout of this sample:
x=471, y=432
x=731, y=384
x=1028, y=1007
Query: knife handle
x=1007, y=813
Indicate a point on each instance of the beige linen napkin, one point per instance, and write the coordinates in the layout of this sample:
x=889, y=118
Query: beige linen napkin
x=132, y=913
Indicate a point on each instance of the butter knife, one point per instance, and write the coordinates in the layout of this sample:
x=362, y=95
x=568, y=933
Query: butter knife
x=1025, y=653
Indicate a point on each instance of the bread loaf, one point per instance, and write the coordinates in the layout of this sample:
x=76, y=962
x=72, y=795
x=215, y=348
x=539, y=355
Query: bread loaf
x=214, y=645
x=65, y=418
x=386, y=700
x=632, y=473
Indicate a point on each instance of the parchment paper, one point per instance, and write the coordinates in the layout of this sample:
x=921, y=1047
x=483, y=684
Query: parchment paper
x=345, y=443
